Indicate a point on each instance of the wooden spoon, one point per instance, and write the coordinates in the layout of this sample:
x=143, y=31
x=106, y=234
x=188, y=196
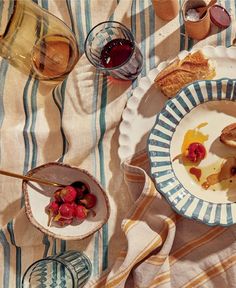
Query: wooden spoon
x=202, y=10
x=33, y=179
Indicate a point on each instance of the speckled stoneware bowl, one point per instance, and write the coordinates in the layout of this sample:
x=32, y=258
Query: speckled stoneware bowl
x=38, y=196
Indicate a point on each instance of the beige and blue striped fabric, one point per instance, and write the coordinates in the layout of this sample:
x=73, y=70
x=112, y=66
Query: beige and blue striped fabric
x=144, y=243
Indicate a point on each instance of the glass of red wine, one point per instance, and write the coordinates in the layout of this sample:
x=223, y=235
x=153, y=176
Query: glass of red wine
x=111, y=48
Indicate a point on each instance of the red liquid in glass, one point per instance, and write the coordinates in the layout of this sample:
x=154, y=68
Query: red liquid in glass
x=116, y=52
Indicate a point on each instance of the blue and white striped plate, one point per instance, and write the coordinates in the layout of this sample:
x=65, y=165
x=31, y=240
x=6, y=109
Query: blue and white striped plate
x=212, y=102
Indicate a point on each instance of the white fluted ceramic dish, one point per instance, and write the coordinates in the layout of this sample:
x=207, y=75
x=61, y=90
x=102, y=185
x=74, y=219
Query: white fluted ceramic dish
x=146, y=101
x=213, y=102
x=37, y=197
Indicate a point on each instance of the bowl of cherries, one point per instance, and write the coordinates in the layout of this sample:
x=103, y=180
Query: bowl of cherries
x=73, y=211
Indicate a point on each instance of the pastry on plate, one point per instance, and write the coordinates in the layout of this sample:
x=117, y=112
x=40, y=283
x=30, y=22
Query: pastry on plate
x=179, y=73
x=228, y=135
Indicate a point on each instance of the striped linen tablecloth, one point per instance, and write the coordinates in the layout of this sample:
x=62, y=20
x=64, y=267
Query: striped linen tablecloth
x=144, y=243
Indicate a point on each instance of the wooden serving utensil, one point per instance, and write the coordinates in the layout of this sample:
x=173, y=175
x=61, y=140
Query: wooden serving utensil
x=29, y=178
x=202, y=10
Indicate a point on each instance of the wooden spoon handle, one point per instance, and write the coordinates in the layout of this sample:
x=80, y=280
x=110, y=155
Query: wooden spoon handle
x=202, y=10
x=33, y=179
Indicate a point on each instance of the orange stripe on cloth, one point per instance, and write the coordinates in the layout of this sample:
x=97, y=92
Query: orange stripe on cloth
x=187, y=248
x=156, y=259
x=142, y=205
x=213, y=271
x=117, y=279
x=130, y=177
x=164, y=278
x=139, y=160
x=163, y=234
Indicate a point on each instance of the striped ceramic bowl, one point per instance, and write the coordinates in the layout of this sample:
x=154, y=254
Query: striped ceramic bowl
x=205, y=107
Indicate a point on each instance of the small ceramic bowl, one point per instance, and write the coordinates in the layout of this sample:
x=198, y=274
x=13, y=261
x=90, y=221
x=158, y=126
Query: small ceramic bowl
x=38, y=196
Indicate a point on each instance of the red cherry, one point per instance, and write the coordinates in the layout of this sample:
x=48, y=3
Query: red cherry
x=81, y=212
x=81, y=188
x=89, y=200
x=68, y=194
x=196, y=152
x=66, y=211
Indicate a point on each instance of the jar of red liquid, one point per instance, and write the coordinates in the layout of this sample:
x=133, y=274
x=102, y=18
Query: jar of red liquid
x=166, y=9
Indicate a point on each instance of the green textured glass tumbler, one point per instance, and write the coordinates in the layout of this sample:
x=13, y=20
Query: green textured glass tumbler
x=70, y=269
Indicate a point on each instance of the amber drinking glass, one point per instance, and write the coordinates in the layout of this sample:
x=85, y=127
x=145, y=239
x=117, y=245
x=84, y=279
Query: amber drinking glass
x=36, y=42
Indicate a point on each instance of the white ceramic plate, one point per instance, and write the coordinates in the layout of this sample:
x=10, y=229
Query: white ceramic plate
x=38, y=196
x=146, y=101
x=211, y=103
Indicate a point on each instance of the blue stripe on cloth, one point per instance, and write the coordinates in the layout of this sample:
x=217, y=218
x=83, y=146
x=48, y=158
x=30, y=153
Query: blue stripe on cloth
x=32, y=127
x=45, y=4
x=190, y=43
x=229, y=29
x=6, y=259
x=1, y=10
x=18, y=254
x=46, y=243
x=59, y=99
x=102, y=169
x=94, y=160
x=134, y=32
x=68, y=3
x=152, y=19
x=143, y=36
x=88, y=16
x=3, y=72
x=182, y=30
x=81, y=37
x=26, y=126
